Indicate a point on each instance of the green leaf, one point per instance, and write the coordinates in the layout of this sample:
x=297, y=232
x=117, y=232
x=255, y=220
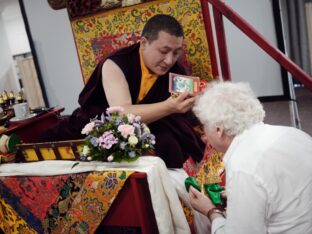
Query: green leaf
x=123, y=175
x=75, y=164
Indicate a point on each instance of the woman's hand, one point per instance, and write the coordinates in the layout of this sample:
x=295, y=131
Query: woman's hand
x=199, y=201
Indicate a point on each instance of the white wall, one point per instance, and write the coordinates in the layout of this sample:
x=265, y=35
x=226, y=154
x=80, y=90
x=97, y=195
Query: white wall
x=8, y=79
x=56, y=52
x=15, y=29
x=248, y=62
x=17, y=36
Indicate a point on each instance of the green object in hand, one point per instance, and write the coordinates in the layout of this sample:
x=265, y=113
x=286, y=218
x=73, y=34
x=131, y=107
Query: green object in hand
x=190, y=181
x=214, y=192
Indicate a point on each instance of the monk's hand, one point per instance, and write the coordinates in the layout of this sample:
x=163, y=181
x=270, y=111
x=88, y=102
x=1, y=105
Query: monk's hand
x=200, y=201
x=181, y=103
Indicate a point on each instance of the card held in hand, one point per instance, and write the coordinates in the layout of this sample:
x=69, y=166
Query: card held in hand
x=182, y=83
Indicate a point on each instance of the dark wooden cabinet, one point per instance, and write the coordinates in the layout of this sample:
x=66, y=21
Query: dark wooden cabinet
x=29, y=130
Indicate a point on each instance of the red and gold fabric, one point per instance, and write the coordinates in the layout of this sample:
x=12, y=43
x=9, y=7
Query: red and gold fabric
x=58, y=204
x=11, y=222
x=210, y=168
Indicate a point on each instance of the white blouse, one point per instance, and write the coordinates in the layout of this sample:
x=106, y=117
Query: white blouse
x=268, y=182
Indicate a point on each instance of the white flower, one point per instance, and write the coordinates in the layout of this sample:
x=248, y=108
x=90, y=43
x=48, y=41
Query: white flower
x=146, y=130
x=133, y=140
x=85, y=150
x=89, y=158
x=130, y=117
x=110, y=158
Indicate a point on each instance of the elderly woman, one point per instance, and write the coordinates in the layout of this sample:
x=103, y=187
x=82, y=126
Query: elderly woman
x=268, y=168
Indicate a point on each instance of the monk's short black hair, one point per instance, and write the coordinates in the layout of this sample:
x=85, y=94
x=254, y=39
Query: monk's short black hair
x=159, y=23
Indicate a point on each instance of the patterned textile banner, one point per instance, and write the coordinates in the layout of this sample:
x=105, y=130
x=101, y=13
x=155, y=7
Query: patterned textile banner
x=75, y=203
x=97, y=35
x=210, y=168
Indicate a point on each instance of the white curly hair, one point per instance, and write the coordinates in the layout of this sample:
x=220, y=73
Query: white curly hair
x=231, y=105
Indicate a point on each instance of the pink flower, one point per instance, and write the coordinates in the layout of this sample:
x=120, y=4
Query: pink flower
x=88, y=128
x=137, y=118
x=126, y=130
x=107, y=140
x=114, y=109
x=133, y=118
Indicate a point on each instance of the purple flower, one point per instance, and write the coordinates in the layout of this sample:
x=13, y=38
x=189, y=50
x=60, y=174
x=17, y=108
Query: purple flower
x=94, y=141
x=122, y=145
x=151, y=137
x=136, y=125
x=107, y=140
x=131, y=154
x=148, y=137
x=137, y=130
x=103, y=118
x=118, y=121
x=145, y=136
x=98, y=123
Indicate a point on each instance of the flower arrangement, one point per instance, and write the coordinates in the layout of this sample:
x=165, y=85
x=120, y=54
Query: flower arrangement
x=116, y=137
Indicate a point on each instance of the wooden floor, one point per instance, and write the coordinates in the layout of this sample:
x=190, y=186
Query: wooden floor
x=278, y=113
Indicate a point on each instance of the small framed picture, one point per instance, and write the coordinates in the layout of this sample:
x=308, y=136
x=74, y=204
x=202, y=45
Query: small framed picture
x=182, y=83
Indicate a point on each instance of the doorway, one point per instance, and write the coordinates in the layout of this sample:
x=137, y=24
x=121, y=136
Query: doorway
x=19, y=72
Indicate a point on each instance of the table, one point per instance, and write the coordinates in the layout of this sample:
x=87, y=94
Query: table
x=29, y=130
x=131, y=210
x=147, y=202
